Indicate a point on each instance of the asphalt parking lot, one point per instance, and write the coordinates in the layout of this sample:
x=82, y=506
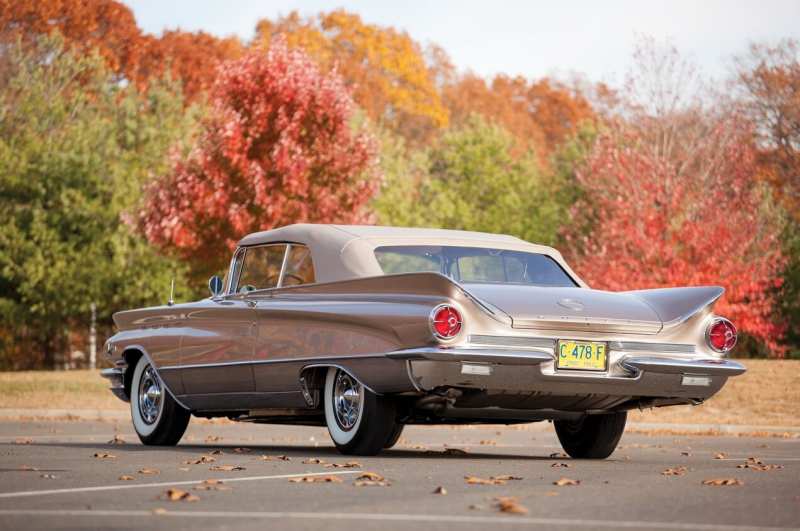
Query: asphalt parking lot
x=66, y=475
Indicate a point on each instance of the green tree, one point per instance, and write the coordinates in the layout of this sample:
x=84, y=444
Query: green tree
x=75, y=147
x=470, y=181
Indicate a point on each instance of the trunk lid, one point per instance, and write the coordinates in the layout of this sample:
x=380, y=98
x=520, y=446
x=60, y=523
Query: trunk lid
x=577, y=309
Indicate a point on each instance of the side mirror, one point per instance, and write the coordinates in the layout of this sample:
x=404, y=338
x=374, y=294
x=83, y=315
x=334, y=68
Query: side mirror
x=215, y=286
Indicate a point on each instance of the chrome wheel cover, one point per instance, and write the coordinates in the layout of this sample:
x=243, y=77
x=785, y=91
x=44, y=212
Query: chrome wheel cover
x=150, y=395
x=346, y=400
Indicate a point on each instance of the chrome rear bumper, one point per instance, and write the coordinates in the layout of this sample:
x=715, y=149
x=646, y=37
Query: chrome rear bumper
x=526, y=371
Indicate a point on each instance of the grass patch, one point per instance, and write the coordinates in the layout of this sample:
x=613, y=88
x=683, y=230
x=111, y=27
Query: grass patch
x=766, y=395
x=83, y=389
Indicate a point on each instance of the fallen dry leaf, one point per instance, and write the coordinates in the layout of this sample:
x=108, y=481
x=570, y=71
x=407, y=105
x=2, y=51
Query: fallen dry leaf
x=203, y=459
x=686, y=454
x=488, y=442
x=215, y=452
x=440, y=490
x=720, y=455
x=149, y=471
x=125, y=477
x=723, y=482
x=23, y=441
x=104, y=455
x=242, y=450
x=174, y=495
x=349, y=464
x=565, y=482
x=371, y=479
x=493, y=480
x=212, y=484
x=117, y=440
x=227, y=468
x=754, y=463
x=159, y=510
x=275, y=458
x=510, y=505
x=313, y=461
x=28, y=468
x=316, y=479
x=213, y=438
x=560, y=465
x=677, y=471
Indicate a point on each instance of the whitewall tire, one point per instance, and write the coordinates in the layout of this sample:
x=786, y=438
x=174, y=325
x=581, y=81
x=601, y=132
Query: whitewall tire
x=359, y=421
x=157, y=418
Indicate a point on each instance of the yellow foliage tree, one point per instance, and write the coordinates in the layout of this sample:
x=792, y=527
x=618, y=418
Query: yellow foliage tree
x=385, y=69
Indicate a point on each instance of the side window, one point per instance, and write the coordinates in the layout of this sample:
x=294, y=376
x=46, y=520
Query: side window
x=299, y=267
x=261, y=268
x=411, y=259
x=232, y=276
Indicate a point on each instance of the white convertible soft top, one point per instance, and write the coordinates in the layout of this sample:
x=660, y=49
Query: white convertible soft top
x=343, y=252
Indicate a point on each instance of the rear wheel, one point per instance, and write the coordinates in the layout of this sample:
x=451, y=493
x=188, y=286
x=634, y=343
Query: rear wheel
x=395, y=435
x=593, y=436
x=359, y=421
x=157, y=418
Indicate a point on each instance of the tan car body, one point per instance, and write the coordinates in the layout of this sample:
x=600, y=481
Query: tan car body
x=261, y=356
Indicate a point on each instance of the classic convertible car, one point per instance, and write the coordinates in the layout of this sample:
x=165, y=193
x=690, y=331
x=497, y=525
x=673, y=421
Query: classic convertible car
x=365, y=329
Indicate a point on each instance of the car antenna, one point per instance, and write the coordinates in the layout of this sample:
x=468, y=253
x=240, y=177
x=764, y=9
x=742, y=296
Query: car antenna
x=171, y=300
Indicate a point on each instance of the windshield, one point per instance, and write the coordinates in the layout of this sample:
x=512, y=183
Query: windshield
x=474, y=264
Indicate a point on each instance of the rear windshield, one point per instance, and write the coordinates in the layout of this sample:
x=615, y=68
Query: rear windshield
x=474, y=264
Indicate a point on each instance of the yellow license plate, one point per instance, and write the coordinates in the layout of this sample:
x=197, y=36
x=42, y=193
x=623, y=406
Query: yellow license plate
x=581, y=355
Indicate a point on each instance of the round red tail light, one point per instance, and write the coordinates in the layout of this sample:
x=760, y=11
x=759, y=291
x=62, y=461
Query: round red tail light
x=721, y=335
x=445, y=322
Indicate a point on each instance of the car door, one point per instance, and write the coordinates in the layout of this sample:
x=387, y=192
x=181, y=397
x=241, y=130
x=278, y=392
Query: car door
x=219, y=340
x=283, y=333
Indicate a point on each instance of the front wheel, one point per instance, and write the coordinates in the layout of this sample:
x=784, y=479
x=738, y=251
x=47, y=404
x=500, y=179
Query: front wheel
x=593, y=436
x=359, y=421
x=157, y=418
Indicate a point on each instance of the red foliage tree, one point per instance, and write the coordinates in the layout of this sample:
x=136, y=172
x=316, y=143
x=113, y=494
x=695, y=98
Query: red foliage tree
x=279, y=148
x=690, y=214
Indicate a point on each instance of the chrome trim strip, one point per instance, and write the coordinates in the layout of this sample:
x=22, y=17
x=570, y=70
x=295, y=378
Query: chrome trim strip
x=712, y=366
x=266, y=362
x=157, y=369
x=283, y=265
x=512, y=341
x=637, y=346
x=508, y=357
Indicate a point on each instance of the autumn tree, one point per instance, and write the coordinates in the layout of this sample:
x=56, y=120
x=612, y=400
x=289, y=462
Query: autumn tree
x=540, y=114
x=279, y=148
x=769, y=78
x=469, y=180
x=75, y=148
x=192, y=58
x=107, y=26
x=672, y=199
x=384, y=68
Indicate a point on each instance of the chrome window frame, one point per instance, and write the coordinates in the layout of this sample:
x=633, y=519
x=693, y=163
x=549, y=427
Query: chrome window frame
x=233, y=275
